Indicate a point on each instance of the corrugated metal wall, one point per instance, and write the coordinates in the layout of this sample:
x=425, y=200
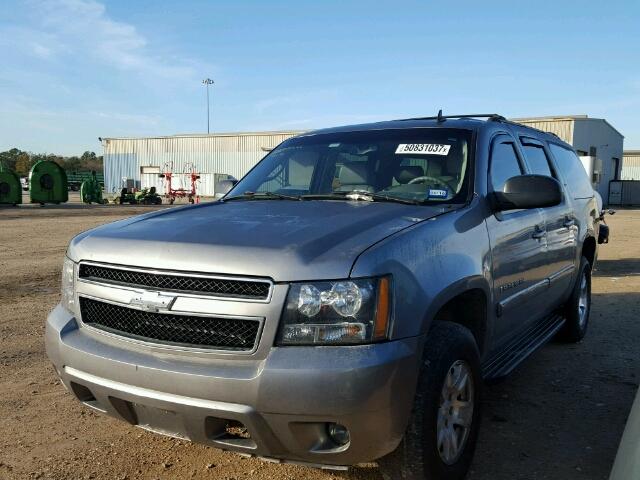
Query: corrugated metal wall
x=631, y=165
x=563, y=128
x=232, y=154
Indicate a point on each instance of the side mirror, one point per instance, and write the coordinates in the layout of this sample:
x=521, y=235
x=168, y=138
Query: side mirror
x=528, y=191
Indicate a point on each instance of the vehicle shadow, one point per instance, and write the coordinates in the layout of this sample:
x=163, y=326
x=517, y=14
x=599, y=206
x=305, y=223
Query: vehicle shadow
x=562, y=413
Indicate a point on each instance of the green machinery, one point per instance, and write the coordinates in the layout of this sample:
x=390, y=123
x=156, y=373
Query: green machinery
x=146, y=196
x=48, y=183
x=10, y=188
x=91, y=190
x=75, y=179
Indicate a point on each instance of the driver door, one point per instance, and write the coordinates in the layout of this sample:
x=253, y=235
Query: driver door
x=518, y=247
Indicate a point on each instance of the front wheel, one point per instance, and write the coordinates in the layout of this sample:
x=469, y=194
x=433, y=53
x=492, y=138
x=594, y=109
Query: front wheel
x=443, y=428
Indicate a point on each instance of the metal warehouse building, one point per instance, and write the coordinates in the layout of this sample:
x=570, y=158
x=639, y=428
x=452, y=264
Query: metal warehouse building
x=630, y=165
x=139, y=161
x=598, y=144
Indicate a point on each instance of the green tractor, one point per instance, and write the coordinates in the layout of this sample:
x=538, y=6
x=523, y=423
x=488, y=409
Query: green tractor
x=91, y=190
x=146, y=196
x=48, y=183
x=10, y=188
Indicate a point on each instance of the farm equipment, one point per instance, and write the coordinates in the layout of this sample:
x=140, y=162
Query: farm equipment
x=146, y=196
x=76, y=179
x=48, y=183
x=91, y=190
x=173, y=193
x=10, y=189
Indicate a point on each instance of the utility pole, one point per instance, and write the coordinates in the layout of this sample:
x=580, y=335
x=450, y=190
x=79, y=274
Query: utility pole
x=207, y=82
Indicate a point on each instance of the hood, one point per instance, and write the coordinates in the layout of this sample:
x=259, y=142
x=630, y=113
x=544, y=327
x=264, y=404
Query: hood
x=279, y=239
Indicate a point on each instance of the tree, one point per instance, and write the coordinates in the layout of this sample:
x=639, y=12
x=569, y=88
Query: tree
x=23, y=164
x=9, y=158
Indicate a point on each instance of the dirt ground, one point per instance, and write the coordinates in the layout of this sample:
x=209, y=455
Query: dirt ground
x=559, y=416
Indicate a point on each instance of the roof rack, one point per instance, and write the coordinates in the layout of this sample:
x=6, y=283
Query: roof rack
x=441, y=118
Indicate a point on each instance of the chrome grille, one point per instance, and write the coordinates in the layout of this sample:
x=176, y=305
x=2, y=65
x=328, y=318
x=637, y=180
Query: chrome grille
x=171, y=329
x=223, y=287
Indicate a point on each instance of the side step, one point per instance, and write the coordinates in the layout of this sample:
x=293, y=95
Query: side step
x=505, y=362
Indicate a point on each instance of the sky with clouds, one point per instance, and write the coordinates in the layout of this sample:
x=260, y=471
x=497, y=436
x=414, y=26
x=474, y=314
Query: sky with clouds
x=75, y=70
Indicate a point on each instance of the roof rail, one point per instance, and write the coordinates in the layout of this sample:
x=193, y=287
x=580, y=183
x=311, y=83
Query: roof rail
x=441, y=118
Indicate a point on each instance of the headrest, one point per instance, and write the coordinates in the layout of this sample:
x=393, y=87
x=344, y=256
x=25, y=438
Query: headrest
x=354, y=173
x=455, y=160
x=304, y=157
x=408, y=173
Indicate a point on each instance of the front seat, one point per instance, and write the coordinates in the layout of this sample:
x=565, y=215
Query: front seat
x=455, y=166
x=407, y=173
x=355, y=176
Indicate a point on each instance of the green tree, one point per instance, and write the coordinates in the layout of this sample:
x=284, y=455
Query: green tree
x=23, y=164
x=9, y=158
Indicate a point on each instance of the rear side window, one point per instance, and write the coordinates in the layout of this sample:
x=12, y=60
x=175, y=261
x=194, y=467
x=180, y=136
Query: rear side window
x=573, y=173
x=537, y=160
x=504, y=164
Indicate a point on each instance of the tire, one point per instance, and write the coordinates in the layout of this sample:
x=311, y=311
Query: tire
x=418, y=457
x=578, y=307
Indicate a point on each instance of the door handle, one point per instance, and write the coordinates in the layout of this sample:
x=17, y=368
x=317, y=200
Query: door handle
x=539, y=233
x=569, y=222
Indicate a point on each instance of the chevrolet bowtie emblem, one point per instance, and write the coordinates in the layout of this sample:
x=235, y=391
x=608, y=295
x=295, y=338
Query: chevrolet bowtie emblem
x=153, y=301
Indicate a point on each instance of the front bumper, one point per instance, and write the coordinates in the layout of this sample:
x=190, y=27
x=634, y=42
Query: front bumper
x=284, y=399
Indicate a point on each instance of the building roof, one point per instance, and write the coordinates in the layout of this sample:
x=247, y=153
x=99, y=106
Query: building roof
x=204, y=135
x=560, y=118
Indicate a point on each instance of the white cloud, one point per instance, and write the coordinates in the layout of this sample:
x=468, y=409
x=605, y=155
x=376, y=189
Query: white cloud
x=84, y=29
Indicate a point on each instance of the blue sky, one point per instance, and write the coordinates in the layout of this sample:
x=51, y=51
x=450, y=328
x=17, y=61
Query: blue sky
x=74, y=70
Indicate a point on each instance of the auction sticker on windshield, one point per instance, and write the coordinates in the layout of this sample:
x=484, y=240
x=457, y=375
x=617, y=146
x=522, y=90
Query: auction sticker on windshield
x=423, y=148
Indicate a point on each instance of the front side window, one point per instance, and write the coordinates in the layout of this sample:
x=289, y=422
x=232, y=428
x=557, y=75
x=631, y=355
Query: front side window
x=504, y=164
x=427, y=165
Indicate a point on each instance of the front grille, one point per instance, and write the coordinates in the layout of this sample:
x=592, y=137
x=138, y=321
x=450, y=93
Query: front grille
x=171, y=329
x=250, y=289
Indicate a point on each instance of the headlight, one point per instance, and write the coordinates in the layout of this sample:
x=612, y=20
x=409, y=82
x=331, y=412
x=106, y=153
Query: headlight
x=337, y=312
x=68, y=299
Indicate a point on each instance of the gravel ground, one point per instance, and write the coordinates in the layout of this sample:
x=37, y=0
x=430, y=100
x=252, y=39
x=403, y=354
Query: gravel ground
x=559, y=416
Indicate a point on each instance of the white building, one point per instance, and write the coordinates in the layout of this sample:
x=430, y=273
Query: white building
x=591, y=137
x=631, y=165
x=141, y=160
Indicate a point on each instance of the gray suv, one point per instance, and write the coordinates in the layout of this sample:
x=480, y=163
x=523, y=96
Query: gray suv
x=344, y=302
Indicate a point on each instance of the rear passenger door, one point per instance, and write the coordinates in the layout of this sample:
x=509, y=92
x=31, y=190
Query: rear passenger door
x=561, y=228
x=517, y=249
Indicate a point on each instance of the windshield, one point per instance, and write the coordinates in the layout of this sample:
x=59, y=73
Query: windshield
x=428, y=165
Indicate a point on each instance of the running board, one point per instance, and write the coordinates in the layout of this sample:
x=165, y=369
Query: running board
x=505, y=362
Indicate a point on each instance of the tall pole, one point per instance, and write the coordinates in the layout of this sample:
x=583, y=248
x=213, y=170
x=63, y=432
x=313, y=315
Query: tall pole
x=207, y=82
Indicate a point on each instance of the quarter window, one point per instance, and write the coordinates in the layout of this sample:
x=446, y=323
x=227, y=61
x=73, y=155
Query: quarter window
x=573, y=173
x=537, y=160
x=504, y=164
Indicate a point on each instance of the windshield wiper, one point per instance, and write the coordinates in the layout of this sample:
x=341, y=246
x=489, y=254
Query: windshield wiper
x=361, y=195
x=262, y=196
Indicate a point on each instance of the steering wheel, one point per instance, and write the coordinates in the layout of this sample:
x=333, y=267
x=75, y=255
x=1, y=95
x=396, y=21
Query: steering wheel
x=433, y=180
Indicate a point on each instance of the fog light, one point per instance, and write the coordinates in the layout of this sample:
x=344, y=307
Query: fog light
x=338, y=434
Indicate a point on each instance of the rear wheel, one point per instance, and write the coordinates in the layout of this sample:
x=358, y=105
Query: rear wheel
x=578, y=308
x=441, y=436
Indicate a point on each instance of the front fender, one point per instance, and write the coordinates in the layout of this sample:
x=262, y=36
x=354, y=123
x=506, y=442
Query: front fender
x=431, y=263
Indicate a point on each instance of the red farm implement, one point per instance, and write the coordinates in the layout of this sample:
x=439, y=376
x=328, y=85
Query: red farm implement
x=187, y=183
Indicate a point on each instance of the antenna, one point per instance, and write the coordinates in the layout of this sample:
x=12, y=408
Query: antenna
x=440, y=117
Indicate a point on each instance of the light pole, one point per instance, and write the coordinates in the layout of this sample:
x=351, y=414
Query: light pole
x=207, y=82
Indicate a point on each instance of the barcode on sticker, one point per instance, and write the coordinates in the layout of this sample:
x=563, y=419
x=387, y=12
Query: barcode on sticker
x=423, y=148
x=437, y=193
